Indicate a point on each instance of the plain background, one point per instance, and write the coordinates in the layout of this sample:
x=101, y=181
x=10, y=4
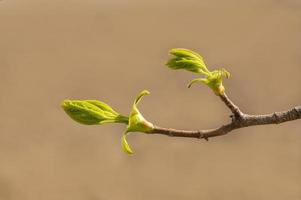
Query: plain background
x=112, y=49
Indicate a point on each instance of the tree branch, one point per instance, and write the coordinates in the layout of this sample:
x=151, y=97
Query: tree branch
x=239, y=120
x=234, y=109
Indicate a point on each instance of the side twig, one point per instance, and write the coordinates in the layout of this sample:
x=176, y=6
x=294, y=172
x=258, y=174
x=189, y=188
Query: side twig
x=234, y=109
x=240, y=120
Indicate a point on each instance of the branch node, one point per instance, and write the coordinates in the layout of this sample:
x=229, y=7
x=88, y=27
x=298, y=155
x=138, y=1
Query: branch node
x=296, y=109
x=203, y=136
x=239, y=120
x=232, y=118
x=170, y=133
x=276, y=117
x=237, y=114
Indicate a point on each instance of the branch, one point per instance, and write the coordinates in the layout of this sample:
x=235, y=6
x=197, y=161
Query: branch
x=234, y=109
x=239, y=120
x=93, y=112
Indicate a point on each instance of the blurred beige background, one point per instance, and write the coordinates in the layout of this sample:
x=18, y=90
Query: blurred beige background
x=110, y=50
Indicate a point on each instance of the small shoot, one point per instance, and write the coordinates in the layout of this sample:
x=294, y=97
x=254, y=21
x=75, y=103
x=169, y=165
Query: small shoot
x=93, y=112
x=137, y=123
x=193, y=62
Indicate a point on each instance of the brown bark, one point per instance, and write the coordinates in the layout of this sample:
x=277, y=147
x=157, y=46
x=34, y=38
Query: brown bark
x=239, y=120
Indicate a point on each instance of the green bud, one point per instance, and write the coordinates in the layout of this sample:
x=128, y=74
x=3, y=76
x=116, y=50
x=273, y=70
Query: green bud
x=192, y=61
x=214, y=81
x=91, y=112
x=137, y=123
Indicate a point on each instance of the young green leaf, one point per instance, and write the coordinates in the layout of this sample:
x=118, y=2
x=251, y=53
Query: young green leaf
x=197, y=80
x=92, y=112
x=188, y=60
x=192, y=61
x=136, y=123
x=125, y=146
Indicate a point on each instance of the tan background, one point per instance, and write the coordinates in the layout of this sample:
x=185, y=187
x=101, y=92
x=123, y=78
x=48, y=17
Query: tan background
x=110, y=50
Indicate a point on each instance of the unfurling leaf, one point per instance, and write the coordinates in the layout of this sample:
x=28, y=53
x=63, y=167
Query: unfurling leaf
x=137, y=123
x=197, y=80
x=124, y=145
x=92, y=112
x=188, y=60
x=192, y=61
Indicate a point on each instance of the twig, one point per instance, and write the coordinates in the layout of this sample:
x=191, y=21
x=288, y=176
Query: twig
x=234, y=109
x=240, y=120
